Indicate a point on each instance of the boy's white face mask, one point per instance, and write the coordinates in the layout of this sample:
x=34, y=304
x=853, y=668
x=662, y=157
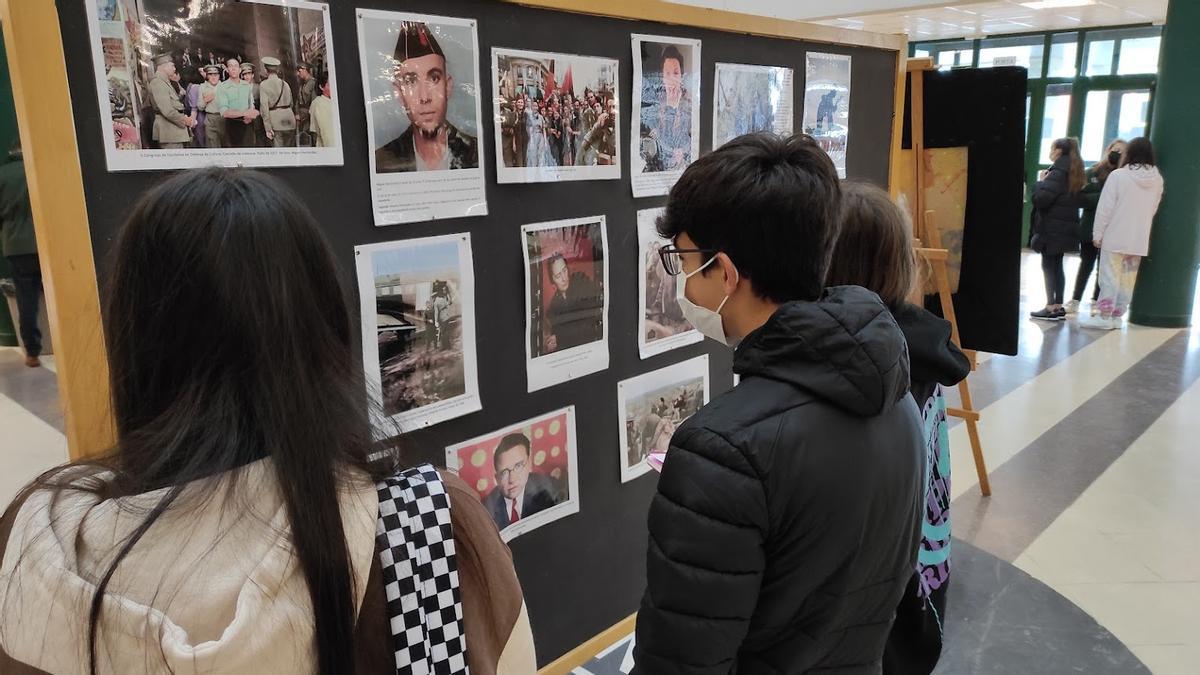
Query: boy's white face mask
x=707, y=321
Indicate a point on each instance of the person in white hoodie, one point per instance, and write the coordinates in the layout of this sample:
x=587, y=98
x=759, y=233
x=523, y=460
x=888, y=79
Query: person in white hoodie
x=238, y=524
x=1124, y=218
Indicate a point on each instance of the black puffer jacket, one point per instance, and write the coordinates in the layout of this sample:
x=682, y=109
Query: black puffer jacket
x=787, y=518
x=1056, y=211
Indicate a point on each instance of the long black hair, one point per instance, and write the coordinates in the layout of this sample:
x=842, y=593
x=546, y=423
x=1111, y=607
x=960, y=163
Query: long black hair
x=230, y=340
x=1140, y=152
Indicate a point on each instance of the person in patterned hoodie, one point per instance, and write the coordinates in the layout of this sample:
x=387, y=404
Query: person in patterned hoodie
x=875, y=250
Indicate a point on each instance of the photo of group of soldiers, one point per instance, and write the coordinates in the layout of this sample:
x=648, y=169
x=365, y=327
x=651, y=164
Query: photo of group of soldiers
x=651, y=420
x=544, y=124
x=214, y=80
x=236, y=104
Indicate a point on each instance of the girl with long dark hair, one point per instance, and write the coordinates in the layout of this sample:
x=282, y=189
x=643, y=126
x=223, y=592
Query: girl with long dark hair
x=232, y=527
x=1096, y=177
x=1056, y=203
x=1124, y=219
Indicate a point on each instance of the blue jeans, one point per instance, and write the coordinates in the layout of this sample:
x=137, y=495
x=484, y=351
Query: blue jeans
x=27, y=277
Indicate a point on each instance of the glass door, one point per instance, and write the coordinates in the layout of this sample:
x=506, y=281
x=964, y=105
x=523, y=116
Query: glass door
x=1110, y=114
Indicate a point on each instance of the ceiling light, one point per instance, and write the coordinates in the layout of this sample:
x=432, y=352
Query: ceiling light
x=1057, y=4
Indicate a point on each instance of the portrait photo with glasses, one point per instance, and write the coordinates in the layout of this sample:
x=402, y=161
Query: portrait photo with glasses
x=662, y=326
x=424, y=115
x=525, y=474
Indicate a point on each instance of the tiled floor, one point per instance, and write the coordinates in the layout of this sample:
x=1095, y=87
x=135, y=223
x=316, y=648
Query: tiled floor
x=1085, y=559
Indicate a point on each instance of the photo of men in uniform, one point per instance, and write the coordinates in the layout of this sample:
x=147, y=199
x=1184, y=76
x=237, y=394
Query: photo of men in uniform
x=225, y=78
x=423, y=87
x=525, y=474
x=567, y=287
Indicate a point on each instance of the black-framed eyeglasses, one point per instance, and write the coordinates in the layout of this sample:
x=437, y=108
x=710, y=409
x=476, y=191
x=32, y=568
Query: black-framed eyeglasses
x=505, y=473
x=672, y=257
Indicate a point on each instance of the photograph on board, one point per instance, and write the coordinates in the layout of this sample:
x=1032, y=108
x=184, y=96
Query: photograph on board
x=651, y=408
x=418, y=330
x=556, y=117
x=243, y=82
x=421, y=85
x=526, y=474
x=827, y=104
x=662, y=326
x=665, y=136
x=566, y=282
x=749, y=99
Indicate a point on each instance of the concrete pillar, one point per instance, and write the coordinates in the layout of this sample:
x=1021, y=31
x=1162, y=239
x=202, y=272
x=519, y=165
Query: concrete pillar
x=1166, y=285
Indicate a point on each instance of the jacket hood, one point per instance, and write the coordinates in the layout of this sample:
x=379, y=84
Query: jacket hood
x=844, y=348
x=933, y=356
x=211, y=587
x=1145, y=177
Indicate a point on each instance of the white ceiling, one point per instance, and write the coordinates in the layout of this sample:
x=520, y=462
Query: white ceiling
x=933, y=19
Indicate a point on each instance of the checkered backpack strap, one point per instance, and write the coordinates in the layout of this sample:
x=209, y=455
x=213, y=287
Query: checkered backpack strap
x=420, y=573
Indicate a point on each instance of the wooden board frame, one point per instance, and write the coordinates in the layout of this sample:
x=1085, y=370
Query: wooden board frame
x=43, y=101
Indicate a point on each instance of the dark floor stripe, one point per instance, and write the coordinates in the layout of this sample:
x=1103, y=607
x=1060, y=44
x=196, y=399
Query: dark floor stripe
x=34, y=389
x=1001, y=620
x=1033, y=488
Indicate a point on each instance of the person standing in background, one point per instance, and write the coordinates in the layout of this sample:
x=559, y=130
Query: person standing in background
x=275, y=101
x=20, y=247
x=171, y=126
x=210, y=108
x=1124, y=218
x=1056, y=203
x=235, y=100
x=1096, y=176
x=309, y=91
x=324, y=131
x=258, y=136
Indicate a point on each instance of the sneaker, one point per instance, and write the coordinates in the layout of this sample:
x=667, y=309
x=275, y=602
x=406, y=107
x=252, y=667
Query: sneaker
x=32, y=361
x=1072, y=307
x=1048, y=314
x=1098, y=323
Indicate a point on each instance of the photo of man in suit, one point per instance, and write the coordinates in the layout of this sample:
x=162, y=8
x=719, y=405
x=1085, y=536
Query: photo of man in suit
x=423, y=85
x=519, y=492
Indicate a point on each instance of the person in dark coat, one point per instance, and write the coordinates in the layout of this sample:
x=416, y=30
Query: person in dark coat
x=576, y=312
x=875, y=250
x=1056, y=203
x=19, y=245
x=1088, y=253
x=787, y=517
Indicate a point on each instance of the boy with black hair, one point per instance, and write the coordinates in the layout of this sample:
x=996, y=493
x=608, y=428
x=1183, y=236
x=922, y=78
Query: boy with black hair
x=787, y=517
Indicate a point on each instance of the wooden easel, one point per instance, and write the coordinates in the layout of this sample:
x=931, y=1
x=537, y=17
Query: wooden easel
x=929, y=247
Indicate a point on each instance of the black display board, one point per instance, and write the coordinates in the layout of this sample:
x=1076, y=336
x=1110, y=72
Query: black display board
x=983, y=109
x=585, y=572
